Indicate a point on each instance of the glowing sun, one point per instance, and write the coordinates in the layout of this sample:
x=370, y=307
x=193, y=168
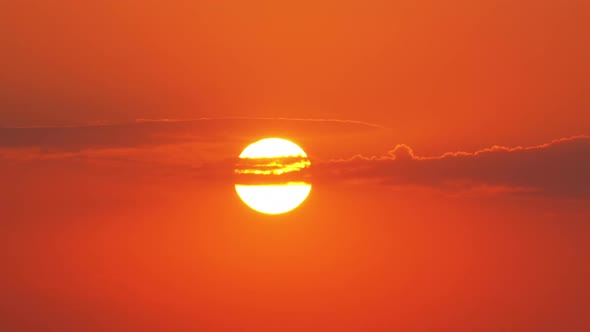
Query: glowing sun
x=272, y=176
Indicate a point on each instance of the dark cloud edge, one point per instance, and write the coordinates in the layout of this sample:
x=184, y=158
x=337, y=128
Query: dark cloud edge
x=404, y=149
x=560, y=167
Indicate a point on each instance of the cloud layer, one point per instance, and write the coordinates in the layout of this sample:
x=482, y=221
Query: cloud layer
x=560, y=167
x=151, y=132
x=205, y=150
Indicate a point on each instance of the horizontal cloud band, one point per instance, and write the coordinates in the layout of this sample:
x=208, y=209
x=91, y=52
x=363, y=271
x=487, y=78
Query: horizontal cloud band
x=560, y=167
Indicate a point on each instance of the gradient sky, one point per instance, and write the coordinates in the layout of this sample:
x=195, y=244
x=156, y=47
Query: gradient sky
x=450, y=150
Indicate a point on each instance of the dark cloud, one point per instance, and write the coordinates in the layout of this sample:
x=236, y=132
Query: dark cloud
x=561, y=167
x=146, y=132
x=205, y=149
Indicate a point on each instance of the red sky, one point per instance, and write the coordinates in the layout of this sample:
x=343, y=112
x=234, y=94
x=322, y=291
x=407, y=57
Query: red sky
x=448, y=140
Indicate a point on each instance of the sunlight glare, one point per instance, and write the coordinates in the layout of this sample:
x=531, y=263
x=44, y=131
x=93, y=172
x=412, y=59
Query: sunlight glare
x=274, y=199
x=272, y=148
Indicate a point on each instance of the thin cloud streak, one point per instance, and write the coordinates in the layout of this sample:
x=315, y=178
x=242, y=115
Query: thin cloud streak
x=173, y=120
x=154, y=132
x=362, y=123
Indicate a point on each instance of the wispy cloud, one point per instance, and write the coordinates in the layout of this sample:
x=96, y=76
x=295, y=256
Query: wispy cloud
x=150, y=132
x=344, y=121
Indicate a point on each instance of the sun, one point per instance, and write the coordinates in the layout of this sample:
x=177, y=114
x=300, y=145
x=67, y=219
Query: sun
x=272, y=176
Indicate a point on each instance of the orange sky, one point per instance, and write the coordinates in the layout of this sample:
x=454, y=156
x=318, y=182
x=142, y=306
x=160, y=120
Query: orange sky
x=489, y=72
x=449, y=144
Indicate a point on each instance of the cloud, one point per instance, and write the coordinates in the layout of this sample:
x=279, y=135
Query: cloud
x=151, y=132
x=231, y=118
x=205, y=149
x=560, y=167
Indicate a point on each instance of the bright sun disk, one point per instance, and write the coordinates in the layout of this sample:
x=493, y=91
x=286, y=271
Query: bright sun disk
x=273, y=157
